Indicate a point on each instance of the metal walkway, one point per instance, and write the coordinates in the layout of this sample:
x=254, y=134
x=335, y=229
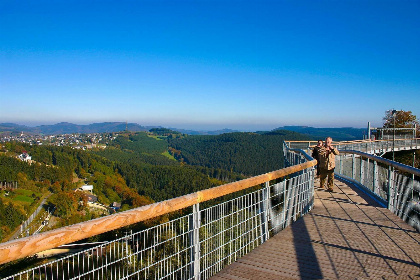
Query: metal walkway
x=346, y=236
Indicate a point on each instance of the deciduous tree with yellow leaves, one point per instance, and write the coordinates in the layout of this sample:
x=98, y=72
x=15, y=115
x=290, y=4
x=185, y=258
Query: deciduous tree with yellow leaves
x=403, y=119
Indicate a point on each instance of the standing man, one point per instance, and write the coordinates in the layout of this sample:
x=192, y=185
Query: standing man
x=327, y=162
x=315, y=155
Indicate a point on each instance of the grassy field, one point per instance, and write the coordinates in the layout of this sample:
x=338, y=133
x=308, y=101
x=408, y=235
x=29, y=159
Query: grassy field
x=157, y=137
x=168, y=155
x=23, y=196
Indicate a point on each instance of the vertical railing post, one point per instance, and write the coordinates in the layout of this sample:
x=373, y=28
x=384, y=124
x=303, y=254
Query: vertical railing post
x=367, y=173
x=264, y=212
x=311, y=187
x=375, y=178
x=194, y=229
x=295, y=201
x=412, y=175
x=353, y=167
x=290, y=197
x=390, y=189
x=362, y=171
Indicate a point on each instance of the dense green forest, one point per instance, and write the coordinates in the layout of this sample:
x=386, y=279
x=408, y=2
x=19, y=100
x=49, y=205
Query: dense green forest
x=338, y=134
x=140, y=159
x=249, y=154
x=138, y=148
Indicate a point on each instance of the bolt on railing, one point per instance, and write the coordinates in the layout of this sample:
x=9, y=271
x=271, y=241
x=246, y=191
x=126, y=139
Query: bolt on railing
x=194, y=246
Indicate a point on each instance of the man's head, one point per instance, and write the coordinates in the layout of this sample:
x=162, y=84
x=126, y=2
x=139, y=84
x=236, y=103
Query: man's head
x=319, y=143
x=328, y=141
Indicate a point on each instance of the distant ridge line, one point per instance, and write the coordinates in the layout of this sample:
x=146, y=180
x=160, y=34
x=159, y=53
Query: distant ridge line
x=68, y=128
x=338, y=134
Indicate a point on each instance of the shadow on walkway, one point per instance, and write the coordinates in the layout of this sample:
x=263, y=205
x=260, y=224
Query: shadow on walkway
x=347, y=235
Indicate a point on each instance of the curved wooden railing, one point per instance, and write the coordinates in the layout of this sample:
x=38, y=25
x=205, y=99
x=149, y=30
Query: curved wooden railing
x=28, y=246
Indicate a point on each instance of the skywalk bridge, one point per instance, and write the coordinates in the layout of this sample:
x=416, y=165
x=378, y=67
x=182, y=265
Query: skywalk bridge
x=277, y=225
x=376, y=147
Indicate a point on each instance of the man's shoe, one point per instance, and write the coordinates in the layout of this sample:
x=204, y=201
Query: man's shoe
x=330, y=190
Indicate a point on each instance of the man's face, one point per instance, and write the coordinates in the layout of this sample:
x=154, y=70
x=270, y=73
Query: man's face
x=328, y=141
x=319, y=143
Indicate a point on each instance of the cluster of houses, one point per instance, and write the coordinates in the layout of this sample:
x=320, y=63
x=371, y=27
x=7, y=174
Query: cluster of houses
x=88, y=189
x=76, y=140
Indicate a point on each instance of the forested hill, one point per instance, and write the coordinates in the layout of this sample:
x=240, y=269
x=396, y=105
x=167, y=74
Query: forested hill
x=247, y=153
x=145, y=164
x=68, y=128
x=338, y=134
x=138, y=148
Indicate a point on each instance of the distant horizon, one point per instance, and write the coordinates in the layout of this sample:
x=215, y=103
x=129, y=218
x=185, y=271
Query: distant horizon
x=186, y=127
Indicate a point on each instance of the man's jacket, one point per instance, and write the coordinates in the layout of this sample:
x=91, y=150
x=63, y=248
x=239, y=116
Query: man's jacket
x=315, y=152
x=327, y=158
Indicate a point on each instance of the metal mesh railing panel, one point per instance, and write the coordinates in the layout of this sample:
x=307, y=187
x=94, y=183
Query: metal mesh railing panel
x=404, y=198
x=153, y=253
x=399, y=191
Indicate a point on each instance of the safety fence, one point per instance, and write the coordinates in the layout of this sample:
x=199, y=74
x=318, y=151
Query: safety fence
x=393, y=184
x=368, y=146
x=194, y=246
x=381, y=146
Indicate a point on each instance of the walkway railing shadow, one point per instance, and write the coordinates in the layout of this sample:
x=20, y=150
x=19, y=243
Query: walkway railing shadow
x=362, y=225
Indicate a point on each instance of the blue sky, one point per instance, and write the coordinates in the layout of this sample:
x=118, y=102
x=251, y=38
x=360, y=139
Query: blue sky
x=204, y=64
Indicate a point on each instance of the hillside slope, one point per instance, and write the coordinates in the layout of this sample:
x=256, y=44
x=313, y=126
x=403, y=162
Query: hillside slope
x=246, y=153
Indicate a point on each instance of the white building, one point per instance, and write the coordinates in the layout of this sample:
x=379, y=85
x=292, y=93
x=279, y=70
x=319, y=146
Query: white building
x=87, y=188
x=25, y=157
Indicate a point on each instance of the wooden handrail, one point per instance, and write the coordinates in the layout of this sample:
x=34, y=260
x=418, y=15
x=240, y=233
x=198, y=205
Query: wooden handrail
x=28, y=246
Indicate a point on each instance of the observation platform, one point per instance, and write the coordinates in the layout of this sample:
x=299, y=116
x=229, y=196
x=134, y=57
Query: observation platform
x=347, y=235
